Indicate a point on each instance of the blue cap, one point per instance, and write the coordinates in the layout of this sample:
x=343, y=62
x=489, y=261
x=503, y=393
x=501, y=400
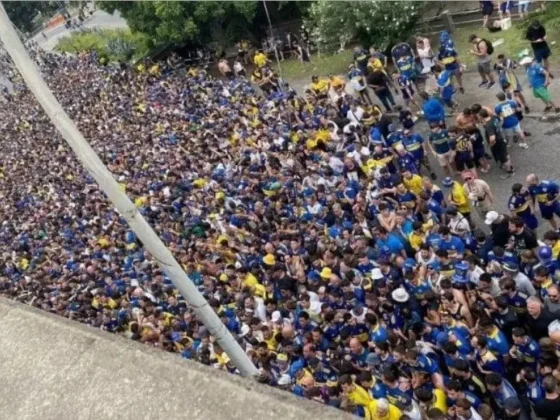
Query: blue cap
x=447, y=182
x=391, y=127
x=545, y=253
x=410, y=263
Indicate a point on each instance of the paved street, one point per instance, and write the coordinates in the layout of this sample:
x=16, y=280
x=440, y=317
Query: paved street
x=98, y=19
x=543, y=155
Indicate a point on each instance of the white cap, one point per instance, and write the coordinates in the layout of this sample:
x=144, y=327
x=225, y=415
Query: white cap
x=491, y=217
x=276, y=316
x=526, y=60
x=400, y=295
x=376, y=274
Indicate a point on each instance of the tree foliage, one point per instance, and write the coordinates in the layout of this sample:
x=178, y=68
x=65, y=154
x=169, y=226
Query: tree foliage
x=181, y=22
x=371, y=22
x=22, y=13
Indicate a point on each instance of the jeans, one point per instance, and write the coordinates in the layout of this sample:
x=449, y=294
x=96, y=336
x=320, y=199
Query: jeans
x=386, y=97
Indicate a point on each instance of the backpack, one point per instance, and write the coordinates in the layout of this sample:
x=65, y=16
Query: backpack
x=489, y=46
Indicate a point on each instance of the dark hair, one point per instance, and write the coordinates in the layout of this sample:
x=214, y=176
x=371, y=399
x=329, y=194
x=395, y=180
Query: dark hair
x=494, y=379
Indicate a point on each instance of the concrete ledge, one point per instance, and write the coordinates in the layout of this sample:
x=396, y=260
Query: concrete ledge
x=54, y=368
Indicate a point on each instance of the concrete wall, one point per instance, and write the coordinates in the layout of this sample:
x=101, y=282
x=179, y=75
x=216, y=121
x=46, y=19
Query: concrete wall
x=53, y=368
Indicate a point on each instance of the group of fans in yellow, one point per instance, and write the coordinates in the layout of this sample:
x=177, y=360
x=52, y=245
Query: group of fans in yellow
x=312, y=223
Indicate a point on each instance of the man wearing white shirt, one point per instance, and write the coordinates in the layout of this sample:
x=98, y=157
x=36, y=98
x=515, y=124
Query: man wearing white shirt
x=355, y=114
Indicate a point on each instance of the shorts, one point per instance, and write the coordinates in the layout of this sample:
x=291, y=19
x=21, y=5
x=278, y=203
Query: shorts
x=548, y=212
x=424, y=162
x=452, y=72
x=463, y=163
x=510, y=132
x=542, y=93
x=485, y=68
x=499, y=152
x=542, y=52
x=487, y=9
x=444, y=159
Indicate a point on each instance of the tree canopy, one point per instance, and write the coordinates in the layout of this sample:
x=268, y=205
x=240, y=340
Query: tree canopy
x=181, y=22
x=22, y=13
x=373, y=22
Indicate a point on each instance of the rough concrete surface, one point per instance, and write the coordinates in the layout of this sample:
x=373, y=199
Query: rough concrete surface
x=54, y=368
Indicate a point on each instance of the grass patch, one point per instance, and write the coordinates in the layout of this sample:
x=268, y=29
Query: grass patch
x=110, y=44
x=320, y=66
x=514, y=42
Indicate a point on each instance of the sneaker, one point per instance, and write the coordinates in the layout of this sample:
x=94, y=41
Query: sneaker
x=556, y=109
x=433, y=176
x=462, y=90
x=491, y=85
x=548, y=108
x=524, y=145
x=527, y=109
x=483, y=83
x=527, y=133
x=506, y=175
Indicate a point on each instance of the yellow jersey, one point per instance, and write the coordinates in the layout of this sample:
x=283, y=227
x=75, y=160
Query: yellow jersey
x=414, y=184
x=260, y=59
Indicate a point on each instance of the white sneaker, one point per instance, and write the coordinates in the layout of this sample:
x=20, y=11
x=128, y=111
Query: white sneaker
x=524, y=145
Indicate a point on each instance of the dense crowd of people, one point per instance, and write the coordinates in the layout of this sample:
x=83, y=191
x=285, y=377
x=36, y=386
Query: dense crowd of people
x=313, y=227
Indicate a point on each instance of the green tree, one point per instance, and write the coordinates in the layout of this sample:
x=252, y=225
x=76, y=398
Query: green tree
x=22, y=13
x=335, y=24
x=181, y=22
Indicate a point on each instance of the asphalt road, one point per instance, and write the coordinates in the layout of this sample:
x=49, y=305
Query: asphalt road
x=99, y=19
x=542, y=157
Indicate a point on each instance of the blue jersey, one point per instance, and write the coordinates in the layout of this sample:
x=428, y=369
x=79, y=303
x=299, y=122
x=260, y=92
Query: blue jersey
x=506, y=110
x=407, y=162
x=444, y=84
x=508, y=257
x=375, y=136
x=545, y=193
x=534, y=392
x=528, y=353
x=490, y=362
x=408, y=199
x=378, y=334
x=448, y=56
x=406, y=66
x=454, y=243
x=395, y=138
x=413, y=143
x=398, y=397
x=536, y=75
x=519, y=203
x=498, y=343
x=504, y=392
x=440, y=141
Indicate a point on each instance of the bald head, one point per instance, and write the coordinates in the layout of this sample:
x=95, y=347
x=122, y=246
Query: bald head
x=532, y=179
x=355, y=346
